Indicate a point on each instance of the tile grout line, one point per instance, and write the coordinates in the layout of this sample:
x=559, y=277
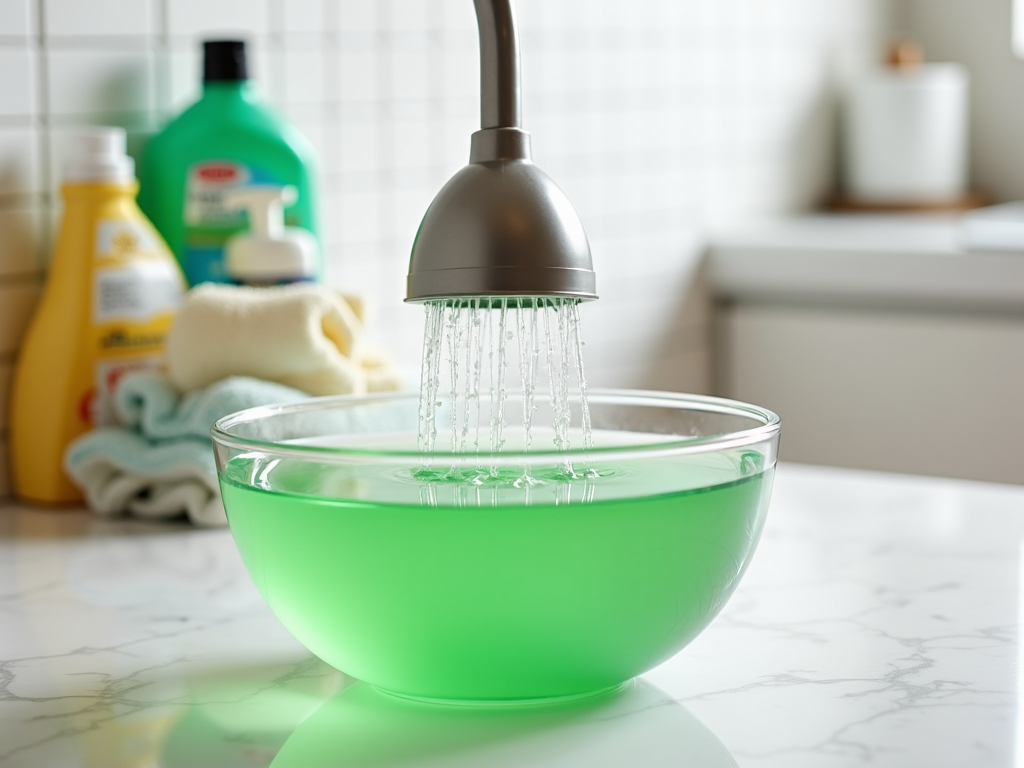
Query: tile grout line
x=44, y=139
x=164, y=64
x=384, y=112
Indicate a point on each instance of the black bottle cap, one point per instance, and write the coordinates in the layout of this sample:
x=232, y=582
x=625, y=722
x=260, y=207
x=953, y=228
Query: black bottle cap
x=224, y=60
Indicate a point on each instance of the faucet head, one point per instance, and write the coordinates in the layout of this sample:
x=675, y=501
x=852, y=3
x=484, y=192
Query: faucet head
x=500, y=228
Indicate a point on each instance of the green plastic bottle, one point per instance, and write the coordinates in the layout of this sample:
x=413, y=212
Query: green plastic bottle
x=226, y=140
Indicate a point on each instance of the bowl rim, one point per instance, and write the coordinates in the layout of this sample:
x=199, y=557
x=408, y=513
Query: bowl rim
x=765, y=431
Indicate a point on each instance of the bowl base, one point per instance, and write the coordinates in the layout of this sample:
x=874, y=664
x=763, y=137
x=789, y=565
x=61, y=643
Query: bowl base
x=506, y=703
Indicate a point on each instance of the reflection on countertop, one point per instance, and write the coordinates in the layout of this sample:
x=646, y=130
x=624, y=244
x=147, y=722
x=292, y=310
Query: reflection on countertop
x=287, y=724
x=878, y=623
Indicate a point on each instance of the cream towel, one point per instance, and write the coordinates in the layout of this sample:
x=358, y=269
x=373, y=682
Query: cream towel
x=303, y=336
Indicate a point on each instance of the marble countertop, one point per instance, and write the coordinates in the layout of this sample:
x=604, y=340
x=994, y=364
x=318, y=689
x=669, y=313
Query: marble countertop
x=897, y=260
x=878, y=624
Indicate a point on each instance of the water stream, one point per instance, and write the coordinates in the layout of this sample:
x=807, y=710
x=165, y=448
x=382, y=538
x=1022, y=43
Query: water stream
x=472, y=351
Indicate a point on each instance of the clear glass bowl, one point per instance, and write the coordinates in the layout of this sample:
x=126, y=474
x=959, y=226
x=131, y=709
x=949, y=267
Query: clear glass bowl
x=497, y=576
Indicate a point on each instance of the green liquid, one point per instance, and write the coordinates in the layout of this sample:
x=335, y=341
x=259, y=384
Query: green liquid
x=437, y=590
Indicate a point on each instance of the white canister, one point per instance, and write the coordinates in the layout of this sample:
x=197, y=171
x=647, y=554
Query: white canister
x=906, y=135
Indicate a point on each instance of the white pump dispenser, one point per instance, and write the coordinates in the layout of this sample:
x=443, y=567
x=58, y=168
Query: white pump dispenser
x=269, y=253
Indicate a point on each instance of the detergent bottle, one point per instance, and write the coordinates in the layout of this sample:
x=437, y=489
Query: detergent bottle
x=110, y=297
x=225, y=142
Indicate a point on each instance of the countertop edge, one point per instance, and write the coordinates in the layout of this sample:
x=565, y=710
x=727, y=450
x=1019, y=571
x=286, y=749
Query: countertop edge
x=783, y=266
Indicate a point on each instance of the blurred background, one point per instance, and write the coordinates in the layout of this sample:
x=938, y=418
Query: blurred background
x=698, y=139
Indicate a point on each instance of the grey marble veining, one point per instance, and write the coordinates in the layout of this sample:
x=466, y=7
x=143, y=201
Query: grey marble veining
x=878, y=625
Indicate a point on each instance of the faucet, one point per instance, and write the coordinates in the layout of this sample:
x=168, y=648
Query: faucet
x=500, y=228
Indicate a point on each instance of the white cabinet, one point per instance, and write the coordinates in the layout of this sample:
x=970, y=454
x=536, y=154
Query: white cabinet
x=926, y=393
x=910, y=368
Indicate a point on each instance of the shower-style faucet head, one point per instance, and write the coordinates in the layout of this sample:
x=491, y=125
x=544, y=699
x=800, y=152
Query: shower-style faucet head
x=500, y=227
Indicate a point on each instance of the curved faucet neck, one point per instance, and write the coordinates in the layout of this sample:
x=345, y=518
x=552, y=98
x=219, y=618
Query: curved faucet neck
x=500, y=100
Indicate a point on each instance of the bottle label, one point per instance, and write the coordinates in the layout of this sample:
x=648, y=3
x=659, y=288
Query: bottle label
x=137, y=288
x=209, y=222
x=136, y=292
x=207, y=184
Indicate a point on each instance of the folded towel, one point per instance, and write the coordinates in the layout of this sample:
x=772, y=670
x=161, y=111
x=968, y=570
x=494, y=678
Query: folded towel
x=120, y=471
x=151, y=404
x=161, y=463
x=304, y=336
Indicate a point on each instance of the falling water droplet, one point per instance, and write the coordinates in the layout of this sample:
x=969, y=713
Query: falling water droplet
x=469, y=345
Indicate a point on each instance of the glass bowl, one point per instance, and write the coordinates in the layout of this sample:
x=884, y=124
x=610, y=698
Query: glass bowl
x=501, y=576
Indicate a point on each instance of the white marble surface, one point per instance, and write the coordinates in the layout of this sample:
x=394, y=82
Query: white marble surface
x=878, y=625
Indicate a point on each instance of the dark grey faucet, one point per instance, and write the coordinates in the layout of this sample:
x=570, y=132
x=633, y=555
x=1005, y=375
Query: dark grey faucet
x=500, y=227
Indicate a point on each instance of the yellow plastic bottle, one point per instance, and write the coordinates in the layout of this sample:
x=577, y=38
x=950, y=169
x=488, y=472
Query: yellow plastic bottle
x=111, y=295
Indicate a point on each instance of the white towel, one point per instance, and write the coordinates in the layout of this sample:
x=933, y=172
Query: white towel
x=303, y=336
x=121, y=471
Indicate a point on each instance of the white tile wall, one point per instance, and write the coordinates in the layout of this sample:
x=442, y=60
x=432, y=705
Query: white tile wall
x=100, y=81
x=307, y=16
x=659, y=119
x=189, y=18
x=20, y=169
x=17, y=82
x=98, y=18
x=358, y=18
x=16, y=18
x=304, y=65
